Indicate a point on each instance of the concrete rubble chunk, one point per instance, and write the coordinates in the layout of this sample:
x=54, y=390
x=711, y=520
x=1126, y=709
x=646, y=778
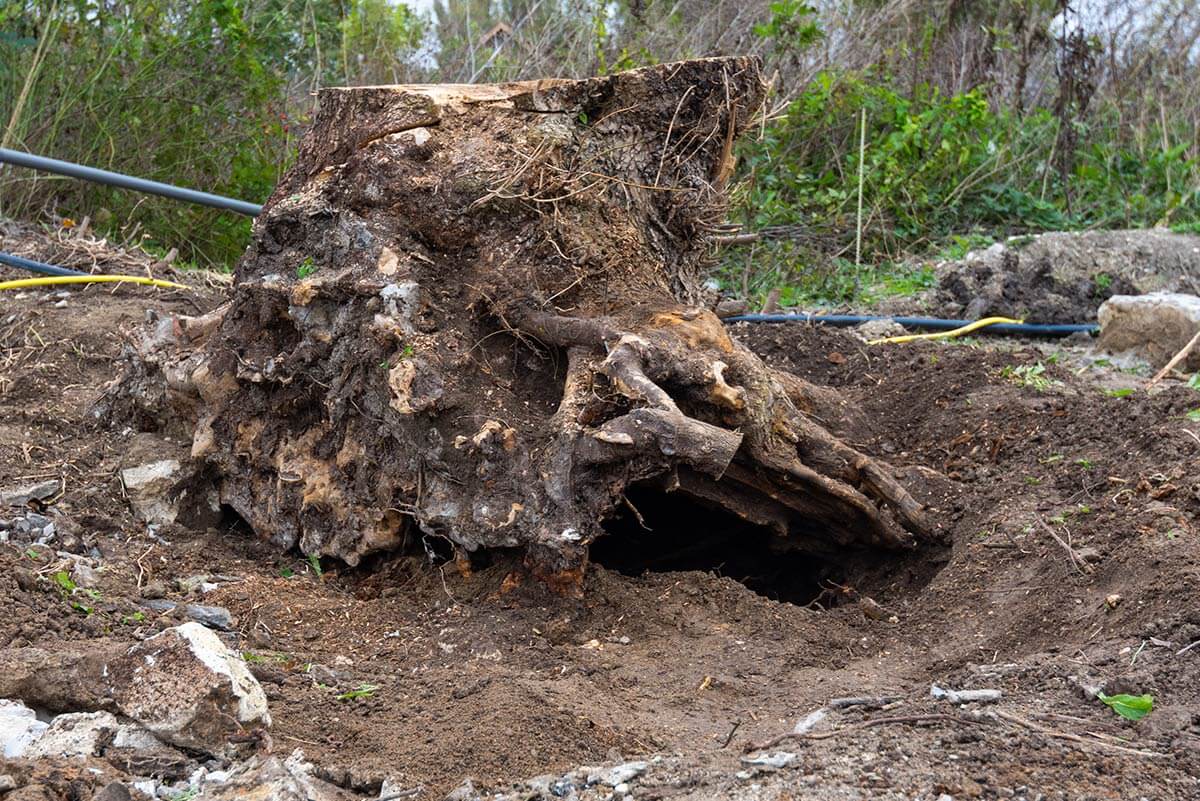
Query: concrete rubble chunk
x=271, y=779
x=1154, y=327
x=189, y=689
x=19, y=729
x=84, y=734
x=160, y=481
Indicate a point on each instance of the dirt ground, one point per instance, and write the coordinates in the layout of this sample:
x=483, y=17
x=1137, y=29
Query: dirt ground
x=475, y=676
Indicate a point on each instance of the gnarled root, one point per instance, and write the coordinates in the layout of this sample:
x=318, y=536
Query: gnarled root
x=684, y=399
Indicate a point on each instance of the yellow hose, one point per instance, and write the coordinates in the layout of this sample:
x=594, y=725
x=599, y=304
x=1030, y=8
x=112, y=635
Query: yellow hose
x=55, y=280
x=957, y=332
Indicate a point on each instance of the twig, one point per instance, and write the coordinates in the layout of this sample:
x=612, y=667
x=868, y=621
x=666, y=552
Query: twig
x=729, y=737
x=866, y=724
x=1076, y=560
x=1187, y=648
x=1176, y=359
x=1075, y=738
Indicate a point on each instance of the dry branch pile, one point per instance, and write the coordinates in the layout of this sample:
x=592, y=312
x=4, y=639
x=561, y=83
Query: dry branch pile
x=475, y=312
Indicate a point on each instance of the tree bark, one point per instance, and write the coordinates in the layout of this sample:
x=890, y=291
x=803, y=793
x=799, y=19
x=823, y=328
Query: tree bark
x=476, y=313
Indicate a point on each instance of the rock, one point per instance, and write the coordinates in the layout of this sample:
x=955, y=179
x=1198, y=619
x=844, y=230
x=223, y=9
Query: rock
x=616, y=774
x=270, y=779
x=154, y=590
x=23, y=494
x=189, y=689
x=778, y=759
x=879, y=329
x=7, y=783
x=84, y=575
x=965, y=696
x=214, y=617
x=84, y=734
x=19, y=729
x=322, y=674
x=150, y=487
x=1154, y=327
x=160, y=482
x=115, y=791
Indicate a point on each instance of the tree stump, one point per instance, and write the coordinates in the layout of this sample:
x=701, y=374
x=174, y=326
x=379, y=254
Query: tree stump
x=476, y=313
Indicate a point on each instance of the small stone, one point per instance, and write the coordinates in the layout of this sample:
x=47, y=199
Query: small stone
x=616, y=774
x=23, y=494
x=154, y=590
x=36, y=522
x=778, y=759
x=327, y=676
x=84, y=575
x=114, y=791
x=7, y=783
x=214, y=617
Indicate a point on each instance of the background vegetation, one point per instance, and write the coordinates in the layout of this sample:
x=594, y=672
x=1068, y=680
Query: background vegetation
x=965, y=120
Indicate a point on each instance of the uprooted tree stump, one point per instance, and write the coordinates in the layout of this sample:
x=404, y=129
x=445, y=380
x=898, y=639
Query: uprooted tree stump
x=476, y=312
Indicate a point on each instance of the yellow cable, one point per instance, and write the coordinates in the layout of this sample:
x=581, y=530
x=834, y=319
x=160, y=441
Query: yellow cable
x=55, y=280
x=957, y=332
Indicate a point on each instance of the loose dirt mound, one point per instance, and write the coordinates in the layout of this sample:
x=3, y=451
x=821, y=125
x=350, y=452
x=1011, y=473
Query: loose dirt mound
x=1063, y=277
x=477, y=677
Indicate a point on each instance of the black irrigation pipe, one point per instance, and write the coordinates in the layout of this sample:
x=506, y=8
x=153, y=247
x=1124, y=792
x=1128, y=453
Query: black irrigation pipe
x=926, y=323
x=35, y=266
x=250, y=209
x=94, y=175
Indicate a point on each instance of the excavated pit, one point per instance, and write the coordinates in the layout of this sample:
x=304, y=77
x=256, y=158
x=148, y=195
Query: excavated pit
x=671, y=532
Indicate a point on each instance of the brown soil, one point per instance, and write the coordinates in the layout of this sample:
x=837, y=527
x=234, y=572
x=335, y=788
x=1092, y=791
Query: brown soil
x=478, y=677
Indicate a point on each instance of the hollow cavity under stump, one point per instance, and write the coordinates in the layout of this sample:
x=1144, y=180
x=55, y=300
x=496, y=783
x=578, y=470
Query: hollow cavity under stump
x=476, y=312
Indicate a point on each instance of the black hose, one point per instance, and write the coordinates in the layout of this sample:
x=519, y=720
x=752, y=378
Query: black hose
x=35, y=266
x=127, y=182
x=926, y=323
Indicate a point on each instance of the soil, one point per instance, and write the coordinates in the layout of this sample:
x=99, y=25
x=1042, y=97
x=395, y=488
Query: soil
x=1058, y=277
x=688, y=657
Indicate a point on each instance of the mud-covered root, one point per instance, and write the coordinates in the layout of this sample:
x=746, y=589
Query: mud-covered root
x=742, y=435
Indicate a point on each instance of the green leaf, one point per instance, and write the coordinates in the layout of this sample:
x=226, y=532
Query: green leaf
x=63, y=580
x=1119, y=393
x=361, y=691
x=1194, y=415
x=1130, y=707
x=1194, y=381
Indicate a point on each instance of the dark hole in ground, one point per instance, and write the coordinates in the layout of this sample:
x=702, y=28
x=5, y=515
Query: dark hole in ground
x=687, y=535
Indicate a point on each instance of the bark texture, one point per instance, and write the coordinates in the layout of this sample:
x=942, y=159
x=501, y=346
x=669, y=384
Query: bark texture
x=475, y=312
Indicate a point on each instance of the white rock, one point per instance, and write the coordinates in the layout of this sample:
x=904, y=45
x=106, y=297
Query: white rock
x=149, y=487
x=270, y=779
x=777, y=759
x=189, y=689
x=19, y=728
x=84, y=734
x=1155, y=327
x=617, y=774
x=810, y=721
